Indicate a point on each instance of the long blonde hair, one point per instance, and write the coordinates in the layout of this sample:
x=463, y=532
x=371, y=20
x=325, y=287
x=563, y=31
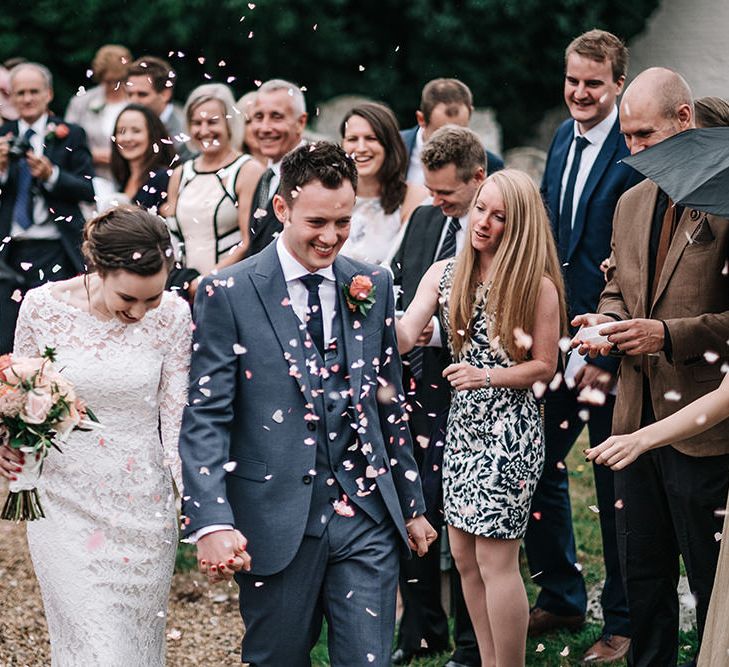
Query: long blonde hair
x=526, y=254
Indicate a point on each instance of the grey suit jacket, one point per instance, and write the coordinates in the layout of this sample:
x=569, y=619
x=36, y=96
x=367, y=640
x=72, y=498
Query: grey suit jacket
x=250, y=404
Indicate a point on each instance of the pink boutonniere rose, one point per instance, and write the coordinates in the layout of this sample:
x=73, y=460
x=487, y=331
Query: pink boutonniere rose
x=359, y=294
x=56, y=132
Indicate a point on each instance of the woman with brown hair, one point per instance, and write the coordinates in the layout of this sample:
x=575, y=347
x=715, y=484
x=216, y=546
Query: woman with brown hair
x=502, y=307
x=370, y=135
x=105, y=551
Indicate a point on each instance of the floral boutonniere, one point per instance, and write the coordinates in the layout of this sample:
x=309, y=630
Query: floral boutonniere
x=359, y=294
x=56, y=132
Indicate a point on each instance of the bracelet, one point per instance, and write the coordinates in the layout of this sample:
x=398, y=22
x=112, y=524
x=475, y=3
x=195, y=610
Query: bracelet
x=488, y=379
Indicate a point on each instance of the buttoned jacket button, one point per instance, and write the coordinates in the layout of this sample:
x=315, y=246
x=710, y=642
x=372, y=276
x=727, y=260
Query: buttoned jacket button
x=311, y=426
x=306, y=479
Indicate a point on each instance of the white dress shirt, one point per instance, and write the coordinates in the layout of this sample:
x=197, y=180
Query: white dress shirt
x=298, y=297
x=415, y=168
x=596, y=136
x=461, y=236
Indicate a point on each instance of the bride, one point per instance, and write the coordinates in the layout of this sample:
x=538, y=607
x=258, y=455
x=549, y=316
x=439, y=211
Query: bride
x=105, y=552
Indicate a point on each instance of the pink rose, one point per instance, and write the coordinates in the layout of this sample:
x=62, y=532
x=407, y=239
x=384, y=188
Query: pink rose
x=360, y=287
x=23, y=368
x=37, y=406
x=5, y=361
x=62, y=131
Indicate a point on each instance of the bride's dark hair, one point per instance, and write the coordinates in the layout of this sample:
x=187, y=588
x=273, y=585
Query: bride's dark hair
x=128, y=238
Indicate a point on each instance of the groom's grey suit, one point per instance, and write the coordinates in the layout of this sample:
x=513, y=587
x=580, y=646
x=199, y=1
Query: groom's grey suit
x=301, y=440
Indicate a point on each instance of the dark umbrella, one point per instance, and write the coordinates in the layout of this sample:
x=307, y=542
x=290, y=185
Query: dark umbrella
x=691, y=167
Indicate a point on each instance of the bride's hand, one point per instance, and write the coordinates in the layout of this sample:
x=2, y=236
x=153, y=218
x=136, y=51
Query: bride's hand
x=221, y=554
x=11, y=461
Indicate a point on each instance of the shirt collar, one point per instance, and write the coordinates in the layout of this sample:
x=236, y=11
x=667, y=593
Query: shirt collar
x=38, y=127
x=292, y=268
x=167, y=113
x=419, y=139
x=597, y=135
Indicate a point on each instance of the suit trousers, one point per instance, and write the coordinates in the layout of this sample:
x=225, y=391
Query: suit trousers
x=48, y=261
x=669, y=502
x=349, y=576
x=550, y=540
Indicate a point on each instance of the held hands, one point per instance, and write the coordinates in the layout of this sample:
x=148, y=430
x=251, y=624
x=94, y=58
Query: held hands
x=221, y=554
x=420, y=534
x=618, y=451
x=463, y=376
x=4, y=148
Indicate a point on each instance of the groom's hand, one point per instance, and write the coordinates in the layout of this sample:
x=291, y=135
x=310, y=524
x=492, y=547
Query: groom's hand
x=221, y=554
x=420, y=534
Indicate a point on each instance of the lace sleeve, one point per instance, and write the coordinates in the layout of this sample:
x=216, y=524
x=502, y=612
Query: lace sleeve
x=25, y=344
x=173, y=383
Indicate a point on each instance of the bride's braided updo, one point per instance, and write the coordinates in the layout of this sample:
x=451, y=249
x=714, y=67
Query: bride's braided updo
x=127, y=238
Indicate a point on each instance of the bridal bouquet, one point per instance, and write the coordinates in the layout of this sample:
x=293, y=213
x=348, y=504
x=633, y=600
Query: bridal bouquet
x=38, y=409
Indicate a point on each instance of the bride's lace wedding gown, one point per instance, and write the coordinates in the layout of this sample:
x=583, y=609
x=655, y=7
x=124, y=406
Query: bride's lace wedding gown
x=104, y=554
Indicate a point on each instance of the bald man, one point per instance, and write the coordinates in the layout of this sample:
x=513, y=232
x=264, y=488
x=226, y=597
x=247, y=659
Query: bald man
x=666, y=306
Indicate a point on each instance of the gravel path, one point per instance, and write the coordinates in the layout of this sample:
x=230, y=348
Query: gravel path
x=203, y=627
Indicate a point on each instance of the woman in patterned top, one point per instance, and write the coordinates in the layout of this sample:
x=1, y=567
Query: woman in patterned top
x=502, y=307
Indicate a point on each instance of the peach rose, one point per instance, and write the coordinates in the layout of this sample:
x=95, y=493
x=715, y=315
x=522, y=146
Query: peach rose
x=360, y=287
x=22, y=368
x=37, y=406
x=62, y=131
x=5, y=361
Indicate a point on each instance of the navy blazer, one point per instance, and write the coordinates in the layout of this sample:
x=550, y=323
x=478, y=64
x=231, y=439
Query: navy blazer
x=250, y=402
x=590, y=239
x=73, y=158
x=493, y=161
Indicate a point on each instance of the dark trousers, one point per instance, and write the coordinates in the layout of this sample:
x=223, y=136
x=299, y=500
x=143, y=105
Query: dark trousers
x=48, y=261
x=550, y=540
x=668, y=505
x=349, y=576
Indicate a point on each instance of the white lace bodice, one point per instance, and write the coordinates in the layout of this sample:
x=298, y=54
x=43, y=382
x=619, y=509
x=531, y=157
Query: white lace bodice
x=106, y=547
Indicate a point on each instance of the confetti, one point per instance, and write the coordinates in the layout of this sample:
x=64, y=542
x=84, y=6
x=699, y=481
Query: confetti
x=239, y=349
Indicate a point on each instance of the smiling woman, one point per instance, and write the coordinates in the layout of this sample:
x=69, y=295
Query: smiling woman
x=106, y=547
x=210, y=196
x=385, y=200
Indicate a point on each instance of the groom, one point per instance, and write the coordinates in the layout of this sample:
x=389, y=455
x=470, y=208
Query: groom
x=295, y=435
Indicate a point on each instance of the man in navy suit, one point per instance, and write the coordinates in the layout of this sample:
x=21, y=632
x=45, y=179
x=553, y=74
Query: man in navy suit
x=45, y=171
x=582, y=183
x=296, y=435
x=442, y=102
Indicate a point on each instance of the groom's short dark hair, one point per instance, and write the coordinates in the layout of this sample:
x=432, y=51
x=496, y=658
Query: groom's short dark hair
x=321, y=161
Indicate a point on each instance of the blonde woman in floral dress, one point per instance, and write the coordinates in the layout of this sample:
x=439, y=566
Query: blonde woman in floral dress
x=502, y=306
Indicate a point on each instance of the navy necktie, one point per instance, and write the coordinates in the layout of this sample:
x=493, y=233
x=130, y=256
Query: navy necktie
x=23, y=209
x=565, y=215
x=314, y=320
x=448, y=249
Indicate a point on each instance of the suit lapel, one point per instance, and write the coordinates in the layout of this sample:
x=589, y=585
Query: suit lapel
x=561, y=150
x=604, y=159
x=268, y=281
x=432, y=236
x=353, y=326
x=686, y=227
x=643, y=215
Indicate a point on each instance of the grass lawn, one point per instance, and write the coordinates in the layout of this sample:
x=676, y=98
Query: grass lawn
x=561, y=649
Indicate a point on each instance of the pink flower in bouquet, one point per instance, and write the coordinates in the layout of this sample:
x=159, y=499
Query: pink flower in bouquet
x=5, y=361
x=23, y=368
x=38, y=404
x=11, y=401
x=76, y=412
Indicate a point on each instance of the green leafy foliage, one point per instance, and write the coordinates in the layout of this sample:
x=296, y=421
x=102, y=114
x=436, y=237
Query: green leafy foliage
x=510, y=52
